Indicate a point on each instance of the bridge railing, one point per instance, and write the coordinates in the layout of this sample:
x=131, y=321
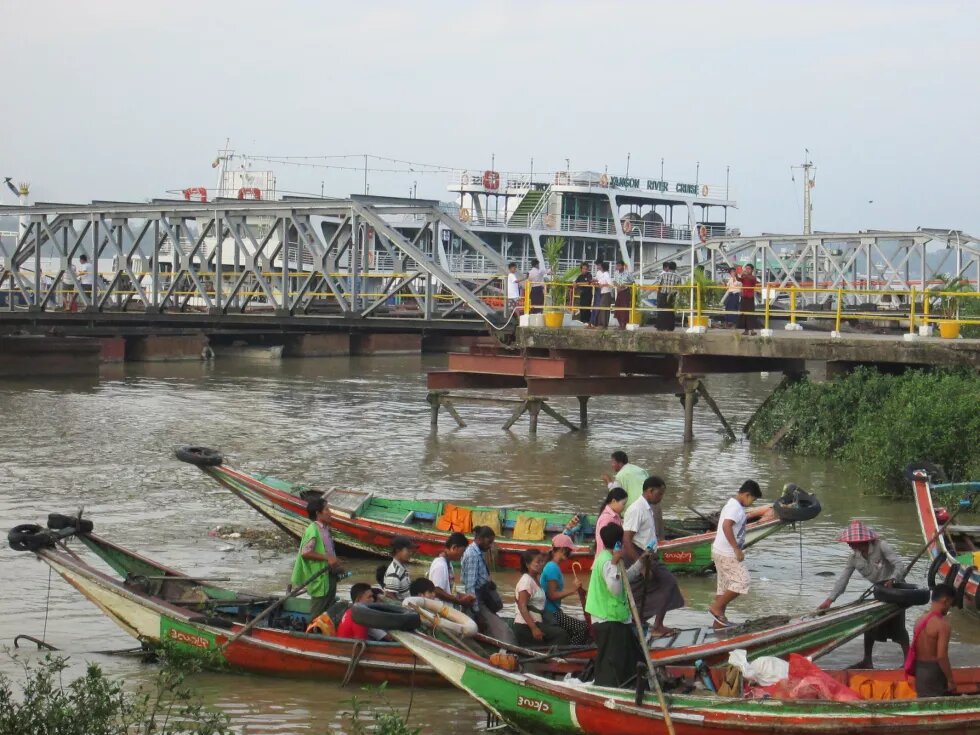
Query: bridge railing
x=711, y=305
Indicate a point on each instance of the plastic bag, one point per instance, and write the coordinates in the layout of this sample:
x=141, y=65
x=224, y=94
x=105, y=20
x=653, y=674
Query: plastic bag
x=764, y=670
x=806, y=680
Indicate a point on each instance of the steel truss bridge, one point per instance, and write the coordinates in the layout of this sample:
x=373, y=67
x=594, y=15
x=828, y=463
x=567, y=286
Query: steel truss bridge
x=289, y=257
x=874, y=260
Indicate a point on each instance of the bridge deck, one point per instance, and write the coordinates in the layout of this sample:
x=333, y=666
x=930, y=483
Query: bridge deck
x=729, y=351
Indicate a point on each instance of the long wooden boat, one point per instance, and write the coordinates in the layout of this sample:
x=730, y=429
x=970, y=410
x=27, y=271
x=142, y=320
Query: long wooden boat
x=157, y=604
x=154, y=603
x=533, y=704
x=363, y=523
x=956, y=552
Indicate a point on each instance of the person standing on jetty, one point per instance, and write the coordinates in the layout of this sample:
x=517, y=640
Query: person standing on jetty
x=726, y=551
x=316, y=552
x=928, y=659
x=746, y=303
x=535, y=282
x=877, y=562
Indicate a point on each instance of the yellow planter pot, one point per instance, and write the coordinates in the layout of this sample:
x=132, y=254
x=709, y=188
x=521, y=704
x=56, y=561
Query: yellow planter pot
x=949, y=330
x=553, y=319
x=700, y=321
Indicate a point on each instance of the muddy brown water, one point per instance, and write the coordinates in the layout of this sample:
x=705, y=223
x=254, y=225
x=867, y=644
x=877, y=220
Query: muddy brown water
x=363, y=422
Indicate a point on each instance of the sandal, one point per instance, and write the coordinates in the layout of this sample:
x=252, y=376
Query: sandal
x=721, y=621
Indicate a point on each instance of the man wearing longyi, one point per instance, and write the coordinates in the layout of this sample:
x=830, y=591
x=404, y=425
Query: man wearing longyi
x=316, y=551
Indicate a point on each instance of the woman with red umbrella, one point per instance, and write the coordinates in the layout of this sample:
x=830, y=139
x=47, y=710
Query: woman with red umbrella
x=553, y=582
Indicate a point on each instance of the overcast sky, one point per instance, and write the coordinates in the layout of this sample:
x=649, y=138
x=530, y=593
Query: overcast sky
x=125, y=100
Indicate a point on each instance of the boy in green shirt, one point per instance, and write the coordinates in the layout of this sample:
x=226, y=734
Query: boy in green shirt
x=316, y=552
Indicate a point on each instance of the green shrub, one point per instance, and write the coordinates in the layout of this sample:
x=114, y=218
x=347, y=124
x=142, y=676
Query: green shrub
x=94, y=704
x=881, y=423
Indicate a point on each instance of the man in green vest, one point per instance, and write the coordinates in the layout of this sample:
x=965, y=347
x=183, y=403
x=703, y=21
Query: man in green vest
x=316, y=553
x=618, y=650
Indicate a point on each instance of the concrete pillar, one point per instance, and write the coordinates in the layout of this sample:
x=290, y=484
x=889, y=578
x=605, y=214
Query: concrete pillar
x=450, y=342
x=533, y=409
x=37, y=356
x=386, y=344
x=165, y=348
x=317, y=345
x=113, y=349
x=689, y=398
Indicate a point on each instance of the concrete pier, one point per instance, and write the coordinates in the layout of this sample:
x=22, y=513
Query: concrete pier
x=31, y=357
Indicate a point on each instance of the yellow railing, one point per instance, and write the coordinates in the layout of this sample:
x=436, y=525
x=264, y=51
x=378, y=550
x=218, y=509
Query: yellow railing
x=695, y=301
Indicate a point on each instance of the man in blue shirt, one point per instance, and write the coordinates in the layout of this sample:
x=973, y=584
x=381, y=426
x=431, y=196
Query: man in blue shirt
x=476, y=575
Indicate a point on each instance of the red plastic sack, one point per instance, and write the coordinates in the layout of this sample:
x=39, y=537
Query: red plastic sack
x=806, y=680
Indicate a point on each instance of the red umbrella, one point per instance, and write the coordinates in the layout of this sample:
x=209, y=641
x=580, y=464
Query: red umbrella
x=581, y=594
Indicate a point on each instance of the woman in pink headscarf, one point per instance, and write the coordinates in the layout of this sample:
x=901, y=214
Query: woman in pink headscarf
x=610, y=512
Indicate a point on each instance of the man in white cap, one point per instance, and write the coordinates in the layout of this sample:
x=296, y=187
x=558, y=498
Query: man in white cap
x=878, y=563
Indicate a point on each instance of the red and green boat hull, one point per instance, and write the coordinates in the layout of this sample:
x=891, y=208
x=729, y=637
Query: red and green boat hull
x=372, y=531
x=534, y=705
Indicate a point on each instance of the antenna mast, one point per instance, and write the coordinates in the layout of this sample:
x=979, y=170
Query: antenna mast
x=808, y=183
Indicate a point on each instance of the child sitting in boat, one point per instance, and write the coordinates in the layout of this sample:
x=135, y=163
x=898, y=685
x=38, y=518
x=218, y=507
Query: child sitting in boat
x=422, y=587
x=360, y=594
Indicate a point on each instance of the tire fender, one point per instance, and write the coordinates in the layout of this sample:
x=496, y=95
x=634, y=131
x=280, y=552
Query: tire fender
x=934, y=570
x=961, y=590
x=199, y=456
x=28, y=537
x=385, y=616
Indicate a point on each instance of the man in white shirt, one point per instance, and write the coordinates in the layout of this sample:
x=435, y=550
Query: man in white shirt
x=656, y=591
x=726, y=551
x=535, y=282
x=513, y=288
x=441, y=571
x=604, y=282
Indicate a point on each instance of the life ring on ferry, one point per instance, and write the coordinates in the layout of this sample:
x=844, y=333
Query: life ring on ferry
x=627, y=225
x=464, y=215
x=703, y=233
x=198, y=190
x=440, y=615
x=250, y=192
x=704, y=190
x=491, y=180
x=604, y=180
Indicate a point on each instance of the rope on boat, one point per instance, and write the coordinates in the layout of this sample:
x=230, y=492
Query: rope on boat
x=37, y=642
x=47, y=605
x=359, y=648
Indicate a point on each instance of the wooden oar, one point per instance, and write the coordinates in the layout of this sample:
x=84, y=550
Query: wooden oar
x=939, y=532
x=576, y=565
x=651, y=674
x=265, y=613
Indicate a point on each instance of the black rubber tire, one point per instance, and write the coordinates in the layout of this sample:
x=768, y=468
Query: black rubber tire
x=951, y=577
x=934, y=570
x=58, y=521
x=935, y=473
x=199, y=456
x=28, y=537
x=961, y=590
x=796, y=505
x=386, y=617
x=902, y=594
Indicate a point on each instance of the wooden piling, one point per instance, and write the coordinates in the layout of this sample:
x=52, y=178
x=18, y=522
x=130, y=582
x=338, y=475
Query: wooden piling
x=583, y=412
x=703, y=390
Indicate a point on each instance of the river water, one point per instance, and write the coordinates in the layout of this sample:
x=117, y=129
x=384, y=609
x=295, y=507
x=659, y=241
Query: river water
x=363, y=422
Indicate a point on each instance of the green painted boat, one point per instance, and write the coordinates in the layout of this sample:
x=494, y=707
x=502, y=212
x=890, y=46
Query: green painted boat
x=534, y=704
x=364, y=523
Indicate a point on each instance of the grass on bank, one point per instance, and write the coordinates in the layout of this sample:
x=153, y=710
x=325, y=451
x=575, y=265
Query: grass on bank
x=880, y=423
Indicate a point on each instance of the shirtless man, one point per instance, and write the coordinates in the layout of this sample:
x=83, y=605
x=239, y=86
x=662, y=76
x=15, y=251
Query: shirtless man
x=928, y=661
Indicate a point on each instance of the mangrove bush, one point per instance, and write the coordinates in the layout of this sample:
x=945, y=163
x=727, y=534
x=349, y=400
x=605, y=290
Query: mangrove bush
x=881, y=423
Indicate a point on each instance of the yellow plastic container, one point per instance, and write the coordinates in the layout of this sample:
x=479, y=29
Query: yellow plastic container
x=949, y=330
x=976, y=559
x=553, y=319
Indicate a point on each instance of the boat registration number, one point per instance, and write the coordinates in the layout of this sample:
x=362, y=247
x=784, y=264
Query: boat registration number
x=539, y=705
x=678, y=557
